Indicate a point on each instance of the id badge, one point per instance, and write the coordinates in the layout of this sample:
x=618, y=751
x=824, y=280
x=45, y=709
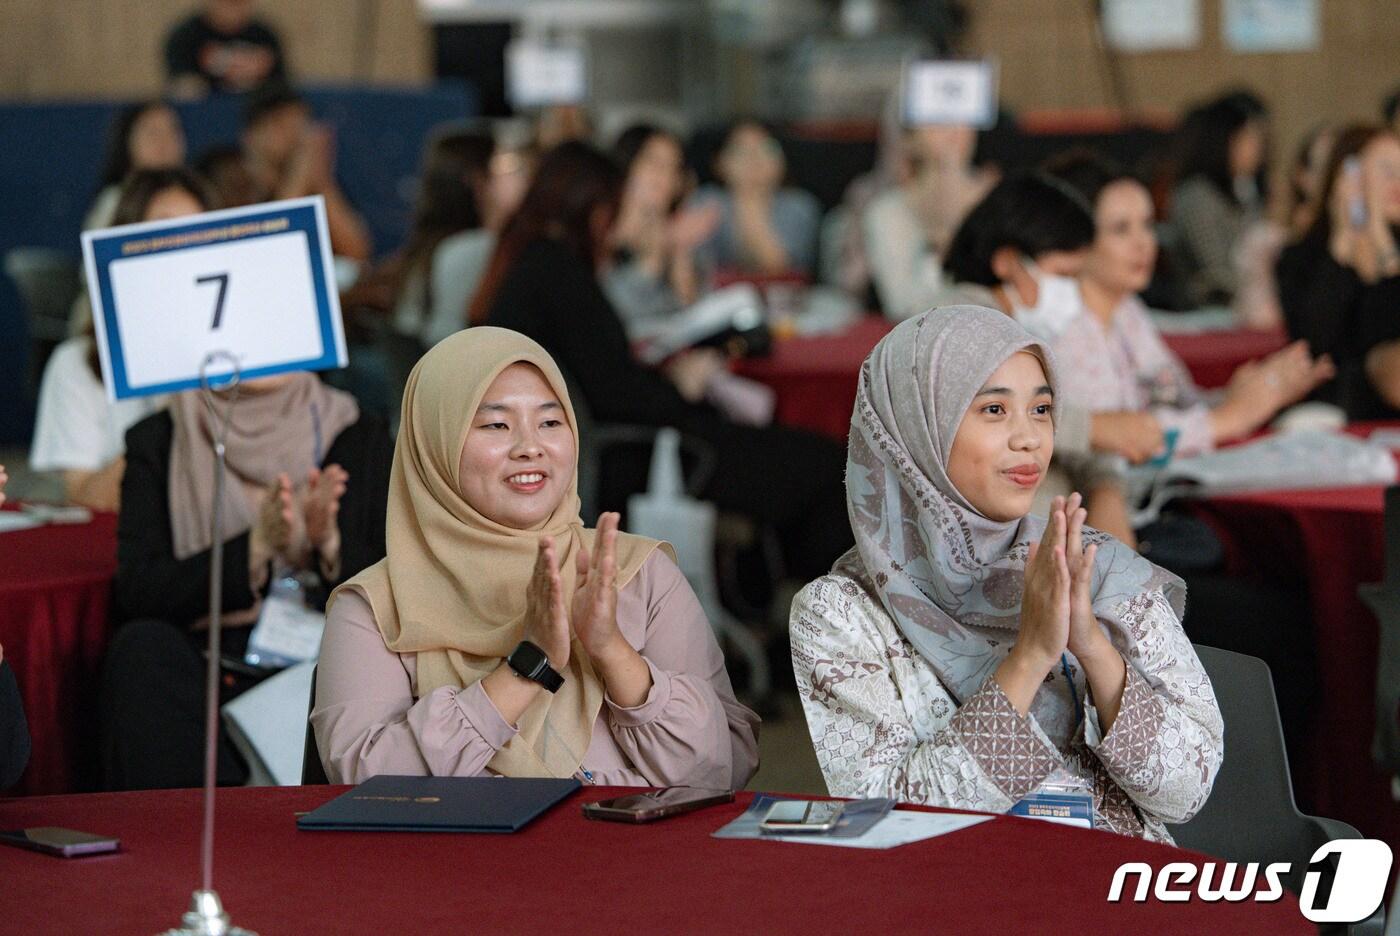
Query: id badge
x=1063, y=797
x=287, y=631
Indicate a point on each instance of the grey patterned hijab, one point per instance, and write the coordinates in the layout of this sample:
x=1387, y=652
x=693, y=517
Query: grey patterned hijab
x=950, y=577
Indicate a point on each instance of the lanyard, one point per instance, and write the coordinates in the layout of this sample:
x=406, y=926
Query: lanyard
x=1074, y=693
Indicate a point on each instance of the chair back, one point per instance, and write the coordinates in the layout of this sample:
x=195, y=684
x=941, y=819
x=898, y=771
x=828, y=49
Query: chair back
x=48, y=281
x=1251, y=814
x=312, y=772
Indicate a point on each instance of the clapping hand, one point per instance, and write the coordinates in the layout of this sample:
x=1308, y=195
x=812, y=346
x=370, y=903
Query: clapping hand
x=546, y=621
x=280, y=529
x=594, y=612
x=3, y=478
x=1085, y=636
x=320, y=506
x=1045, y=601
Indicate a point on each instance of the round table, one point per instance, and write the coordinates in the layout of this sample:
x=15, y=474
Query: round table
x=1334, y=539
x=55, y=586
x=567, y=874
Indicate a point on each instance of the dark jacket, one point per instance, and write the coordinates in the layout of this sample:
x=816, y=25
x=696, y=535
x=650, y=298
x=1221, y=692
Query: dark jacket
x=1329, y=305
x=152, y=583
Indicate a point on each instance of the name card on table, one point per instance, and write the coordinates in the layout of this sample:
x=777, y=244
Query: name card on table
x=256, y=283
x=948, y=91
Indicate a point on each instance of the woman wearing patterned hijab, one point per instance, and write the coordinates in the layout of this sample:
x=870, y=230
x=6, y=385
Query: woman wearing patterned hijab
x=500, y=635
x=964, y=651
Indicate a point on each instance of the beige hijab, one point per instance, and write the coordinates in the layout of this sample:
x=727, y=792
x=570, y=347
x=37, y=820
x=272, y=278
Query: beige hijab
x=452, y=587
x=288, y=429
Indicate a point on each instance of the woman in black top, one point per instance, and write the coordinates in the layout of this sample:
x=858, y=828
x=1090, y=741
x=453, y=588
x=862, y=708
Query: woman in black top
x=543, y=282
x=1340, y=284
x=305, y=493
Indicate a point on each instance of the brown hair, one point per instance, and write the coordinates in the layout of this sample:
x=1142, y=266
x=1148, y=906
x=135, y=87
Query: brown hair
x=569, y=185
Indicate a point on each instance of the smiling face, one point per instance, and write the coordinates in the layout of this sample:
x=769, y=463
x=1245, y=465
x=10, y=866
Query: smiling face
x=518, y=459
x=1005, y=440
x=1125, y=245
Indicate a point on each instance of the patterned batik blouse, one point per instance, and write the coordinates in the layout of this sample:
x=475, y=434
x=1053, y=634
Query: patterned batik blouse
x=884, y=725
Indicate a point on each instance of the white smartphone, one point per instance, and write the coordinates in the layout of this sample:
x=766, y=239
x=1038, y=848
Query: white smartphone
x=789, y=816
x=1356, y=205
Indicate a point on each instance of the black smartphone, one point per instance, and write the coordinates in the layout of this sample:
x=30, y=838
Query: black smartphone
x=66, y=843
x=647, y=807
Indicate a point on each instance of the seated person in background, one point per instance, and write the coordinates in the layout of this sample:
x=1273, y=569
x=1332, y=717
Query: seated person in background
x=144, y=136
x=454, y=224
x=223, y=47
x=764, y=228
x=489, y=563
x=543, y=282
x=291, y=157
x=226, y=169
x=907, y=228
x=1217, y=195
x=1340, y=284
x=1019, y=251
x=1110, y=354
x=14, y=729
x=77, y=431
x=653, y=273
x=965, y=670
x=305, y=491
x=561, y=123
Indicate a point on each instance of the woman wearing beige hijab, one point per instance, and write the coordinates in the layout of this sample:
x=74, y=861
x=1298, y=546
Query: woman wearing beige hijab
x=966, y=651
x=499, y=635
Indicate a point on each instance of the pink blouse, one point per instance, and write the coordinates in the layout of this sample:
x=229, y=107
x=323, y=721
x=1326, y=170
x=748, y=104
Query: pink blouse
x=688, y=731
x=1126, y=366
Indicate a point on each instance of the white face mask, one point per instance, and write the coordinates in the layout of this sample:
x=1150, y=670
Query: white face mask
x=1057, y=303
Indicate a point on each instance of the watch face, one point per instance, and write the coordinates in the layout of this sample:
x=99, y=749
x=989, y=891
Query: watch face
x=527, y=658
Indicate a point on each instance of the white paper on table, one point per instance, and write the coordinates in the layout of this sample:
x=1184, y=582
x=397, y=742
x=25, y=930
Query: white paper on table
x=14, y=520
x=900, y=827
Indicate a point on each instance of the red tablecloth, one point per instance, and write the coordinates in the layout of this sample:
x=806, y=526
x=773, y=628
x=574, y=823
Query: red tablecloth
x=815, y=377
x=568, y=875
x=1212, y=357
x=55, y=583
x=1334, y=539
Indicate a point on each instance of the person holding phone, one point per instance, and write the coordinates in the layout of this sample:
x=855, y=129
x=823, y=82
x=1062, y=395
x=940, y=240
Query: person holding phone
x=966, y=651
x=500, y=636
x=1340, y=284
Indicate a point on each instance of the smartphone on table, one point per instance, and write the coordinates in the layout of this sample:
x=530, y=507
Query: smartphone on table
x=647, y=807
x=66, y=843
x=787, y=816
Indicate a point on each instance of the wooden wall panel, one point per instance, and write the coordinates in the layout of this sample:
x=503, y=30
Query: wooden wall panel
x=113, y=48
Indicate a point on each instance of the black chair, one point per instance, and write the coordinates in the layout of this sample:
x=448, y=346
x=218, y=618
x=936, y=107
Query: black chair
x=312, y=772
x=48, y=281
x=1251, y=814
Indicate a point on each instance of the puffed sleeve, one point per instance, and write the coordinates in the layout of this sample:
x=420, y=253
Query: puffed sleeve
x=1166, y=744
x=366, y=719
x=690, y=730
x=884, y=726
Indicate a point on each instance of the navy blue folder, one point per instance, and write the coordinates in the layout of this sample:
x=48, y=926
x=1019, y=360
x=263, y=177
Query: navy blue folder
x=439, y=804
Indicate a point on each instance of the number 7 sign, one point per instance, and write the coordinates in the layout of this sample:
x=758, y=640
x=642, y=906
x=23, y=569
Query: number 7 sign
x=254, y=282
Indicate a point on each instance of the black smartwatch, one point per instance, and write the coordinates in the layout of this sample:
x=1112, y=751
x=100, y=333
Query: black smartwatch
x=531, y=662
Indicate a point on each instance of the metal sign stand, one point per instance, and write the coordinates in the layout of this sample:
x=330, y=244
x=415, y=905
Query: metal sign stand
x=206, y=916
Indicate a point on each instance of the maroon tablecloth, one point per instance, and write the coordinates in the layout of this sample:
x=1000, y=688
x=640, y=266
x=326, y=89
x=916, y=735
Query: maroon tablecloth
x=1334, y=539
x=55, y=583
x=568, y=875
x=814, y=377
x=1212, y=357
